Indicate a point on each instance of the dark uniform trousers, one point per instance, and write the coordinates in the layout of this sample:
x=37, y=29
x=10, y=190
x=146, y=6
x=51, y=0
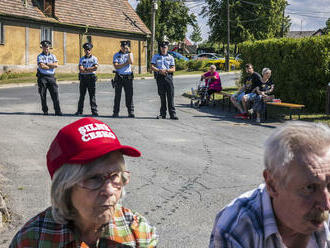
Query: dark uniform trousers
x=48, y=82
x=125, y=81
x=166, y=90
x=87, y=82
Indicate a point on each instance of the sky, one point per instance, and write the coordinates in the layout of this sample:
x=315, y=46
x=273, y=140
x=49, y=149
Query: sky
x=306, y=15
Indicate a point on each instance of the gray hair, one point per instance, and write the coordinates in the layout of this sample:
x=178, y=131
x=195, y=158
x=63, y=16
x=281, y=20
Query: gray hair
x=265, y=70
x=213, y=66
x=294, y=142
x=65, y=178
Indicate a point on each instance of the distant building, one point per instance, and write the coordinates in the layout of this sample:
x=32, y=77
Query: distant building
x=185, y=47
x=68, y=24
x=302, y=34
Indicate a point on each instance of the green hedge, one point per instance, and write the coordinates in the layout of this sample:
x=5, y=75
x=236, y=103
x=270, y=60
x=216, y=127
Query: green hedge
x=203, y=65
x=300, y=68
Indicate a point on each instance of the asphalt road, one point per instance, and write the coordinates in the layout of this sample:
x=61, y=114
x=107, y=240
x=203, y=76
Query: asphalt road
x=189, y=169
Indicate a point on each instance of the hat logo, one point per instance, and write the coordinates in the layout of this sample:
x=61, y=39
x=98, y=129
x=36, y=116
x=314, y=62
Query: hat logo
x=94, y=131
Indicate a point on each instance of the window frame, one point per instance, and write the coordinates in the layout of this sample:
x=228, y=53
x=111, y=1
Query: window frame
x=2, y=34
x=42, y=34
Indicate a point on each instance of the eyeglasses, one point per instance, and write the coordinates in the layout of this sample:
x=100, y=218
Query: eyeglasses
x=97, y=181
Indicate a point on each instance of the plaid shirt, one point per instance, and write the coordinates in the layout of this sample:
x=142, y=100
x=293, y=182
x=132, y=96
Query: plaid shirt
x=249, y=221
x=127, y=229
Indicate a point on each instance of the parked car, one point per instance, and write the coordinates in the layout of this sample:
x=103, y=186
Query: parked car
x=206, y=56
x=177, y=55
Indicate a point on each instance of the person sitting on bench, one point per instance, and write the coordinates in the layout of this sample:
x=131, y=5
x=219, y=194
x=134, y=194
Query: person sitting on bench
x=263, y=94
x=247, y=92
x=212, y=80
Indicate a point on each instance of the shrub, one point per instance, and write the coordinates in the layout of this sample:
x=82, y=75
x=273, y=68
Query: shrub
x=197, y=65
x=300, y=67
x=180, y=64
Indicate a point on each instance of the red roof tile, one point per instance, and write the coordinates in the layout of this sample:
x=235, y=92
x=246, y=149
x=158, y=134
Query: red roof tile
x=117, y=15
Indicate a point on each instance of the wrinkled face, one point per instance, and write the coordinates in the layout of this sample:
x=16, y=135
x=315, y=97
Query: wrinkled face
x=249, y=70
x=303, y=204
x=267, y=75
x=212, y=69
x=95, y=207
x=164, y=49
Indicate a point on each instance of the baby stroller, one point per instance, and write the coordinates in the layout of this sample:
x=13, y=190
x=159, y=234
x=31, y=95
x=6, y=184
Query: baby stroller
x=200, y=96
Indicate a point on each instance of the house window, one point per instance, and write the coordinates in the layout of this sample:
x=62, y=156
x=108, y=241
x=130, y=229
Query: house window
x=47, y=34
x=2, y=35
x=49, y=7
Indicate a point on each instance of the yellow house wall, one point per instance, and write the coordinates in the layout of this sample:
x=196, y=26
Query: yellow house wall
x=13, y=51
x=72, y=48
x=58, y=46
x=105, y=47
x=34, y=45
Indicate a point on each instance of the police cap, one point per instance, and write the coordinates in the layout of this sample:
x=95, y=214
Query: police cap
x=125, y=43
x=163, y=43
x=45, y=43
x=88, y=46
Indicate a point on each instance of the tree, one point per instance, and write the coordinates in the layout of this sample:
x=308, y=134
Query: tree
x=196, y=35
x=172, y=18
x=249, y=19
x=327, y=26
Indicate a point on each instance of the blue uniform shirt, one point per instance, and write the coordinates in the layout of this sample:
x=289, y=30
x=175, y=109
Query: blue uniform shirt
x=163, y=61
x=46, y=58
x=87, y=62
x=122, y=58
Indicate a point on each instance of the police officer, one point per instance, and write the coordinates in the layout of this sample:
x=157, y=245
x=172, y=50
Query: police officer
x=163, y=66
x=47, y=63
x=122, y=61
x=87, y=66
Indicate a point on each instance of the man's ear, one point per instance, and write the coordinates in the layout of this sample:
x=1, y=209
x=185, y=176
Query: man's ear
x=271, y=185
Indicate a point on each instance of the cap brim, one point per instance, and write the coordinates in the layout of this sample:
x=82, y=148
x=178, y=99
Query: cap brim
x=90, y=155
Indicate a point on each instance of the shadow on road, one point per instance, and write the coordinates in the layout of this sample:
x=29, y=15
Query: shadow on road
x=217, y=114
x=79, y=116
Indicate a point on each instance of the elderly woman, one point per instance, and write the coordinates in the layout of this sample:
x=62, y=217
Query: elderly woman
x=263, y=93
x=88, y=172
x=212, y=80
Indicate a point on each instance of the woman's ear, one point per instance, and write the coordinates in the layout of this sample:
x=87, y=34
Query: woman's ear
x=271, y=185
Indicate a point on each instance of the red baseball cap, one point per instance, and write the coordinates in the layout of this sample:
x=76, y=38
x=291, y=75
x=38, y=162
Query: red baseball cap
x=84, y=141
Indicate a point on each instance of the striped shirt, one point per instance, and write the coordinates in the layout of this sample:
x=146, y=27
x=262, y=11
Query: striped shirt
x=249, y=221
x=127, y=229
x=122, y=58
x=87, y=62
x=46, y=58
x=163, y=61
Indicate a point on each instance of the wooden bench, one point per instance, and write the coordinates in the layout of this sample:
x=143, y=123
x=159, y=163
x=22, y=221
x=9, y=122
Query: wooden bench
x=293, y=108
x=225, y=99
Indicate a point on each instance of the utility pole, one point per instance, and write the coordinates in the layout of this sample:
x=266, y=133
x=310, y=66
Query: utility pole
x=282, y=29
x=153, y=24
x=228, y=37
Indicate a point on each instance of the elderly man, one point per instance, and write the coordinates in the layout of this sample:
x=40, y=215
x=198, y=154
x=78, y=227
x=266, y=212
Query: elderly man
x=86, y=164
x=291, y=208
